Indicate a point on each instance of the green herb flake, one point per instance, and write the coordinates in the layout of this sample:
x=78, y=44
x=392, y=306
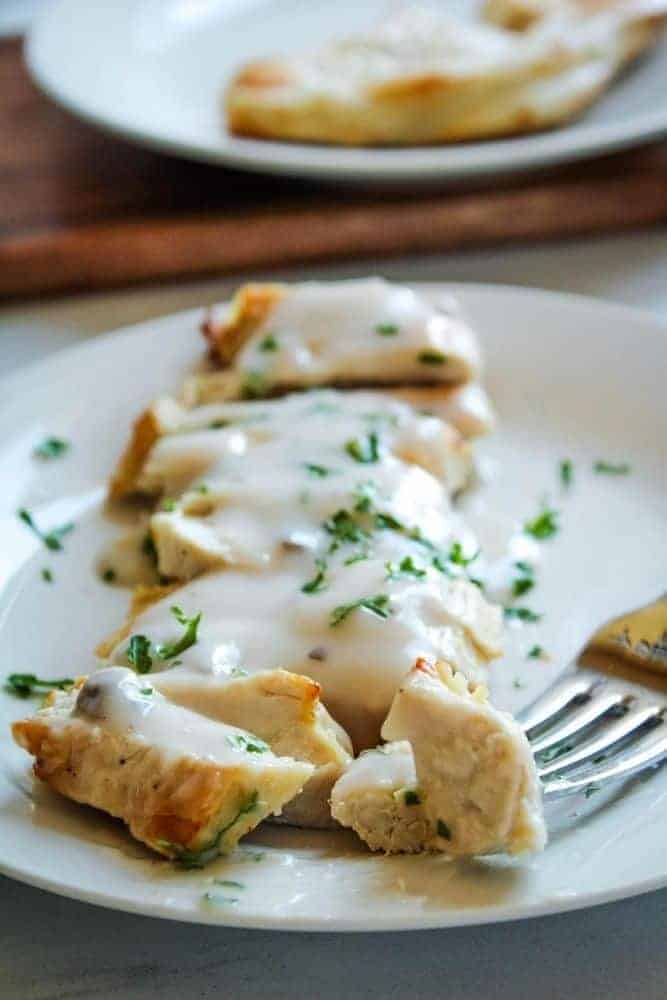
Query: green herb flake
x=411, y=797
x=553, y=753
x=378, y=605
x=51, y=447
x=535, y=653
x=566, y=473
x=147, y=691
x=228, y=883
x=406, y=567
x=169, y=506
x=544, y=526
x=28, y=685
x=217, y=425
x=268, y=344
x=386, y=329
x=318, y=582
x=249, y=744
x=189, y=637
x=443, y=830
x=317, y=471
x=138, y=654
x=109, y=575
x=344, y=528
x=214, y=898
x=47, y=575
x=366, y=451
x=253, y=385
x=522, y=614
x=603, y=468
x=516, y=683
x=522, y=585
x=197, y=859
x=432, y=358
x=52, y=538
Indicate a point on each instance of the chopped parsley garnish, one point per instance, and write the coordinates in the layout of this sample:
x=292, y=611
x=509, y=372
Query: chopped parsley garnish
x=268, y=344
x=47, y=575
x=544, y=526
x=387, y=522
x=522, y=614
x=217, y=425
x=364, y=497
x=318, y=471
x=378, y=605
x=443, y=830
x=197, y=859
x=52, y=538
x=51, y=447
x=189, y=637
x=228, y=883
x=535, y=653
x=139, y=655
x=202, y=488
x=253, y=386
x=406, y=567
x=432, y=358
x=522, y=585
x=109, y=575
x=216, y=898
x=343, y=528
x=457, y=558
x=27, y=685
x=250, y=744
x=552, y=753
x=169, y=506
x=366, y=451
x=516, y=683
x=386, y=329
x=411, y=797
x=360, y=556
x=566, y=472
x=319, y=581
x=611, y=468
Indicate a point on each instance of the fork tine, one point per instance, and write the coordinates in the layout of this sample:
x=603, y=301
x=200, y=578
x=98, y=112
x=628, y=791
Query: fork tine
x=648, y=754
x=598, y=705
x=552, y=702
x=632, y=724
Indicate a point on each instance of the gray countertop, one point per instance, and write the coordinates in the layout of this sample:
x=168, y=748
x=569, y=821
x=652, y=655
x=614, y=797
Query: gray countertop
x=52, y=947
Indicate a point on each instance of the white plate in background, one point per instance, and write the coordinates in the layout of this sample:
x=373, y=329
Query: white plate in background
x=154, y=71
x=572, y=378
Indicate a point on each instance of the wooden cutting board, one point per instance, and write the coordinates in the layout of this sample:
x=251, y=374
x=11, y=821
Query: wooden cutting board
x=80, y=210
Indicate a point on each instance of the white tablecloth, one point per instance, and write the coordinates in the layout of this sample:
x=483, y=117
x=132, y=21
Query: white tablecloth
x=53, y=948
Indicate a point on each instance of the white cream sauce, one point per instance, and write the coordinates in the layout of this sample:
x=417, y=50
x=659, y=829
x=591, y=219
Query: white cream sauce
x=367, y=329
x=254, y=486
x=389, y=768
x=263, y=621
x=115, y=698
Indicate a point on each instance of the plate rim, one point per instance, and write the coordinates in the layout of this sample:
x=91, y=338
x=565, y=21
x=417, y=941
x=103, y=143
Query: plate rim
x=509, y=155
x=445, y=918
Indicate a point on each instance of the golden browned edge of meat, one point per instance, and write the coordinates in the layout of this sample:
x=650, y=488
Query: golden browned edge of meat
x=419, y=110
x=250, y=306
x=169, y=806
x=142, y=598
x=145, y=432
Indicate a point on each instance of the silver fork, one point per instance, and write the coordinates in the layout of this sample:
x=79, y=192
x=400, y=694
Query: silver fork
x=597, y=723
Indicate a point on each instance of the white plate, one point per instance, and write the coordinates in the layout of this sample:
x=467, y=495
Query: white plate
x=571, y=378
x=154, y=71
